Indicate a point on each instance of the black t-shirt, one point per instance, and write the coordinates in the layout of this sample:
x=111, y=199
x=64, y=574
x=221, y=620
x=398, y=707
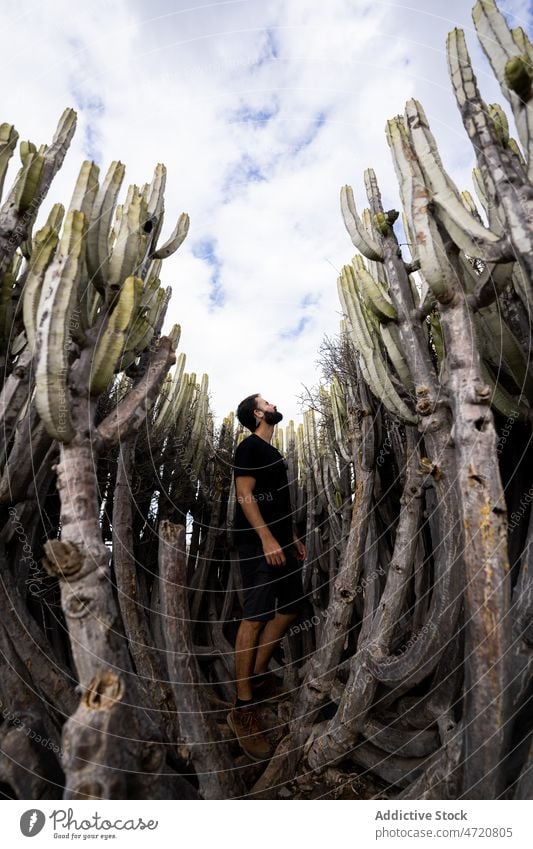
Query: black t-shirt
x=257, y=458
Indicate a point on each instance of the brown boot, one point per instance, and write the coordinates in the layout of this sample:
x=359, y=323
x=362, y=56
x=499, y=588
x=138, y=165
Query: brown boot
x=246, y=725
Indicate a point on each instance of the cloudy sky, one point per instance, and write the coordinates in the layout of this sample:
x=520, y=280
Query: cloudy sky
x=261, y=110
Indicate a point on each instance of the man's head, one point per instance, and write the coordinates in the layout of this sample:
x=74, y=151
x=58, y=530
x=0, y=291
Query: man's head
x=254, y=409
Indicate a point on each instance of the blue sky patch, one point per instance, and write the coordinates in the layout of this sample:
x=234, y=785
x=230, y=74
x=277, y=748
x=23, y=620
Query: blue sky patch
x=294, y=332
x=308, y=138
x=246, y=114
x=91, y=144
x=269, y=52
x=205, y=249
x=91, y=106
x=246, y=170
x=309, y=300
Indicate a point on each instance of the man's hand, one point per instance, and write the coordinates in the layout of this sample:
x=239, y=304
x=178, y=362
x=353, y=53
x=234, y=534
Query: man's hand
x=275, y=556
x=301, y=552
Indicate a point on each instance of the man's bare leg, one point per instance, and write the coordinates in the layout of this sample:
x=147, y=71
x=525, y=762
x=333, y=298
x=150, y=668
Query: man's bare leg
x=270, y=637
x=245, y=651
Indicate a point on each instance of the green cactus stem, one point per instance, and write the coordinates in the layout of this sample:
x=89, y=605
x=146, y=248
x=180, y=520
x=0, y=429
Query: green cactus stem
x=112, y=338
x=98, y=231
x=44, y=247
x=8, y=143
x=56, y=305
x=358, y=234
x=177, y=237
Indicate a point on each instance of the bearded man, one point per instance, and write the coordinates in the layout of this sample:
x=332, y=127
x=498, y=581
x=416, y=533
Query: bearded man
x=270, y=559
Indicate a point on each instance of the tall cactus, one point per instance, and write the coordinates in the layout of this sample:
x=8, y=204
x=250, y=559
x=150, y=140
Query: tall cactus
x=429, y=332
x=86, y=318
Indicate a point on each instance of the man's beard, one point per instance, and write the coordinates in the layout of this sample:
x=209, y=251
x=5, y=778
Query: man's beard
x=273, y=418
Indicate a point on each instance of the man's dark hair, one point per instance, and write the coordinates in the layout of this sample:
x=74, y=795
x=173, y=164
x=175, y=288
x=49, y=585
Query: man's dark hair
x=245, y=412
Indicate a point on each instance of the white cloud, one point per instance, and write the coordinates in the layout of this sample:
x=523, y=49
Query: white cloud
x=261, y=111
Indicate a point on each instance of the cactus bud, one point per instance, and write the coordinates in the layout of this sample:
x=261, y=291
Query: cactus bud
x=501, y=124
x=519, y=76
x=381, y=223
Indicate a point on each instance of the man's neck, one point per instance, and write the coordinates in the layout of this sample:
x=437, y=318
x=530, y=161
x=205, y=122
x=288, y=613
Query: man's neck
x=265, y=431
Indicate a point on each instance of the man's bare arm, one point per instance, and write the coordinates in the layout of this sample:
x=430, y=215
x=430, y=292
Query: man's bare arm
x=244, y=485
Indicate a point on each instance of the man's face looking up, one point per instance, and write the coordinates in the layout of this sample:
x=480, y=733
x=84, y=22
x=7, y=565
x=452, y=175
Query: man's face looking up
x=270, y=412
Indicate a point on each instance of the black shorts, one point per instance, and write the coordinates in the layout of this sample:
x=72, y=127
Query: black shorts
x=263, y=584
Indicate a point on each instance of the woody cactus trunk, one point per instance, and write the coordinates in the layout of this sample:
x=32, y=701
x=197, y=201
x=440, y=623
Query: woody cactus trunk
x=410, y=669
